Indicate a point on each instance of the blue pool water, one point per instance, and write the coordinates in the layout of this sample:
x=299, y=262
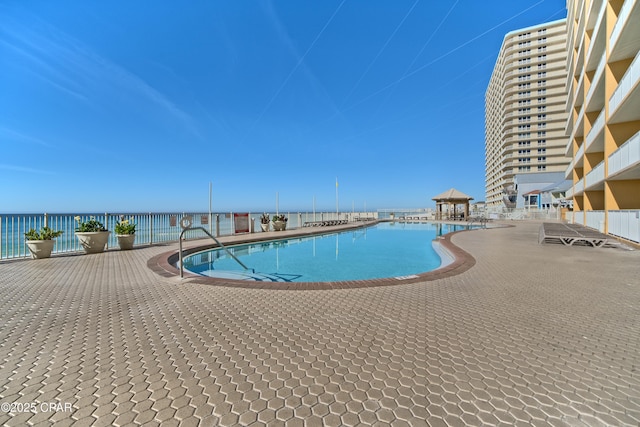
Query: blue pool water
x=383, y=250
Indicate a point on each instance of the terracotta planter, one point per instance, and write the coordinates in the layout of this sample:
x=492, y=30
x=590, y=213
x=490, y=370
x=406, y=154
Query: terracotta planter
x=279, y=225
x=40, y=248
x=265, y=227
x=93, y=242
x=125, y=241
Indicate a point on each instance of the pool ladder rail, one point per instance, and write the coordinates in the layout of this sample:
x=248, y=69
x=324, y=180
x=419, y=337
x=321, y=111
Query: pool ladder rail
x=189, y=228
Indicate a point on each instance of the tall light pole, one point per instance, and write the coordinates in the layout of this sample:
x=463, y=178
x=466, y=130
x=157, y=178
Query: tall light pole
x=210, y=204
x=337, y=211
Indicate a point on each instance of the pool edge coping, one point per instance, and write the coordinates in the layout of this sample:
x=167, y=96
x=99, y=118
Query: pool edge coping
x=462, y=261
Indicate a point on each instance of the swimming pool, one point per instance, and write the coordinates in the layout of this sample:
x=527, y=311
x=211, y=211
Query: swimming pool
x=380, y=251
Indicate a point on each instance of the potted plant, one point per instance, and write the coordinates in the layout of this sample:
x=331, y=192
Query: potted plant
x=279, y=222
x=92, y=235
x=264, y=222
x=41, y=243
x=126, y=233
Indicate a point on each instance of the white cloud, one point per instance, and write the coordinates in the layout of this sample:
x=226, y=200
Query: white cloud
x=22, y=137
x=15, y=168
x=76, y=69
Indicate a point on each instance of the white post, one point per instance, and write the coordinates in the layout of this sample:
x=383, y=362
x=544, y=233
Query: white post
x=337, y=210
x=106, y=224
x=150, y=229
x=210, y=204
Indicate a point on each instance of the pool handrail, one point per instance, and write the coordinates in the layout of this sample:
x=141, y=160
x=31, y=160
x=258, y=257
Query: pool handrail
x=215, y=240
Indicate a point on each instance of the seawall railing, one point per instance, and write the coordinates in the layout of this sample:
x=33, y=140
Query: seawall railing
x=152, y=228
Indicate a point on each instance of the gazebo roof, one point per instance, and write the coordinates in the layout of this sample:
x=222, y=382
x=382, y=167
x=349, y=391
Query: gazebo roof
x=452, y=194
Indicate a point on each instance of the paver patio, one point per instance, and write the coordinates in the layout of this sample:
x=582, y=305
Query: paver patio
x=530, y=335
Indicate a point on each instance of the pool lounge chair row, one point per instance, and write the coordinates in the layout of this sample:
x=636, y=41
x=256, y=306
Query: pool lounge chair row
x=413, y=218
x=325, y=223
x=571, y=234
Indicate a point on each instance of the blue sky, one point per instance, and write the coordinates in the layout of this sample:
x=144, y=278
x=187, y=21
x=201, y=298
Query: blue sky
x=136, y=106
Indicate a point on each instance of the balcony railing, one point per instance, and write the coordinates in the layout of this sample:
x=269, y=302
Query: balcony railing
x=579, y=153
x=626, y=156
x=623, y=17
x=578, y=188
x=152, y=228
x=625, y=224
x=596, y=30
x=595, y=176
x=597, y=76
x=579, y=92
x=568, y=172
x=568, y=148
x=569, y=193
x=577, y=126
x=627, y=83
x=597, y=127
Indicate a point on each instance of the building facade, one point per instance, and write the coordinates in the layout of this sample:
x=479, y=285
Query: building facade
x=603, y=126
x=525, y=110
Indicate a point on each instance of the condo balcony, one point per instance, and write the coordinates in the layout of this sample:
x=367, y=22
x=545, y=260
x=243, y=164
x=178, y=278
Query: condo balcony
x=569, y=193
x=568, y=173
x=624, y=104
x=578, y=157
x=594, y=14
x=594, y=142
x=626, y=32
x=624, y=163
x=595, y=96
x=597, y=46
x=594, y=180
x=579, y=93
x=580, y=54
x=578, y=188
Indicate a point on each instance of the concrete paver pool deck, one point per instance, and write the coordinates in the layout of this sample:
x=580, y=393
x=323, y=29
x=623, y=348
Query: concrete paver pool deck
x=529, y=335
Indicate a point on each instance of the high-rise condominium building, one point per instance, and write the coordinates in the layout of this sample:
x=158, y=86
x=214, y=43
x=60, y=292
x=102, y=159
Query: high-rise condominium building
x=525, y=113
x=604, y=121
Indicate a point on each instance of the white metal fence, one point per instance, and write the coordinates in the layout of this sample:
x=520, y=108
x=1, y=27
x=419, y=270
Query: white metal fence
x=524, y=214
x=151, y=228
x=625, y=224
x=595, y=220
x=578, y=217
x=621, y=223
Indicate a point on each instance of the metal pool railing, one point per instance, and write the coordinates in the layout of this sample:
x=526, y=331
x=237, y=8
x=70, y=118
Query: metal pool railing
x=152, y=228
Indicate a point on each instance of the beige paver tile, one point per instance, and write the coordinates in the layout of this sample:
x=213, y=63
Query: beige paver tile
x=125, y=419
x=499, y=343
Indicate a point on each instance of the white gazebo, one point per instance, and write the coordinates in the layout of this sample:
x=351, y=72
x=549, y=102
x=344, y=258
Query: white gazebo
x=452, y=204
